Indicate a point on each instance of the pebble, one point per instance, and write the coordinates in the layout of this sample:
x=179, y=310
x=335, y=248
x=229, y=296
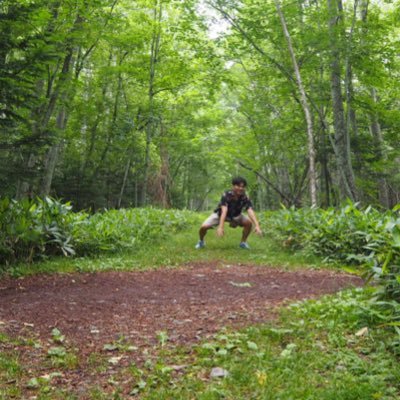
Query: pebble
x=218, y=372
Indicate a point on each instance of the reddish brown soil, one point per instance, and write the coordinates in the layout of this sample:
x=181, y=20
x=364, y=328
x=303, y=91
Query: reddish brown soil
x=188, y=303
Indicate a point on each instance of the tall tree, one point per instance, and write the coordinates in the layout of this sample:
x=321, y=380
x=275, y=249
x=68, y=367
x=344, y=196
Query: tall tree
x=306, y=109
x=342, y=139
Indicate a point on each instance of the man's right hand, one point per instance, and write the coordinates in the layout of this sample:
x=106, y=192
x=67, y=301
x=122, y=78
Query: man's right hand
x=220, y=231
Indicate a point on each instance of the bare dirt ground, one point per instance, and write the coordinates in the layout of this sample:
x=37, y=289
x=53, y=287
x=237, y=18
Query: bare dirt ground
x=188, y=303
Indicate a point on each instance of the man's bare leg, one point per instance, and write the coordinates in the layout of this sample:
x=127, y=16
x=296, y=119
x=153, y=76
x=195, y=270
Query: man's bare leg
x=203, y=231
x=247, y=225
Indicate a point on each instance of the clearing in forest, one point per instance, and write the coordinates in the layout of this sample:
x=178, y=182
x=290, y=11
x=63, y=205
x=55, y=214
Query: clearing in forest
x=86, y=331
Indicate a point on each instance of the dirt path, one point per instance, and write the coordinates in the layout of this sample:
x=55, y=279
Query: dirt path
x=91, y=310
x=188, y=303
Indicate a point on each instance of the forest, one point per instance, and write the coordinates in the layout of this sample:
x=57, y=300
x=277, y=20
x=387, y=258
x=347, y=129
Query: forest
x=112, y=104
x=122, y=122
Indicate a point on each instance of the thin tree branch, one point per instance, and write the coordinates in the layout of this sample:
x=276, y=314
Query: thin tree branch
x=283, y=195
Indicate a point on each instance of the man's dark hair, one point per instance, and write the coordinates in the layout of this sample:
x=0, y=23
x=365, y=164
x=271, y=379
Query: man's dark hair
x=239, y=181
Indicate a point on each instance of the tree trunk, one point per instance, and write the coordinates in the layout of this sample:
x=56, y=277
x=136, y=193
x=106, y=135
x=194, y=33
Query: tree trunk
x=155, y=48
x=125, y=179
x=351, y=117
x=51, y=157
x=25, y=183
x=375, y=127
x=24, y=187
x=306, y=110
x=164, y=175
x=342, y=142
x=62, y=92
x=349, y=89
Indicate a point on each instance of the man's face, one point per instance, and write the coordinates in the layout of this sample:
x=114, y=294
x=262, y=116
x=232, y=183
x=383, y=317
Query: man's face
x=239, y=189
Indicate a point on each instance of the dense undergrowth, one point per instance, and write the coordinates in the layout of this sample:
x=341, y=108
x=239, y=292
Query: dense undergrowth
x=367, y=239
x=40, y=228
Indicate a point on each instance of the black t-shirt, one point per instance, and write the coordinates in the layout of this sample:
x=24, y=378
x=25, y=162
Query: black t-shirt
x=235, y=205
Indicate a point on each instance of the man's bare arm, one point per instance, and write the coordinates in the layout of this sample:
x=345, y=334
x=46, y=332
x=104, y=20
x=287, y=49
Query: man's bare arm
x=224, y=212
x=254, y=220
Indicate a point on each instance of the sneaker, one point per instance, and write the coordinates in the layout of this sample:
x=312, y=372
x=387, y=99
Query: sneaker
x=244, y=245
x=200, y=245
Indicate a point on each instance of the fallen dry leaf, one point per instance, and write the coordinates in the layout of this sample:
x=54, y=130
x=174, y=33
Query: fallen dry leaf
x=362, y=331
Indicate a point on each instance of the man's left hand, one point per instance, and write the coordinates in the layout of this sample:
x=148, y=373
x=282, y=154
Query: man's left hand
x=258, y=231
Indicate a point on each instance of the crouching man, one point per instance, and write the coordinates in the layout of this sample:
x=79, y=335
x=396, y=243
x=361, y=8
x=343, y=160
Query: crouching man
x=230, y=210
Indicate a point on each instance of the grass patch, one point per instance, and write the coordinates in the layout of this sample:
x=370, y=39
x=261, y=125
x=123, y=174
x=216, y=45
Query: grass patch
x=10, y=370
x=177, y=249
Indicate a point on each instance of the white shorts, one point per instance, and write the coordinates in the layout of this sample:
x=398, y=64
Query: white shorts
x=213, y=220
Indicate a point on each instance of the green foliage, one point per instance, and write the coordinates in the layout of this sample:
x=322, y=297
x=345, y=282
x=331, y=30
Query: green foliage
x=178, y=249
x=365, y=238
x=212, y=95
x=33, y=229
x=116, y=230
x=347, y=235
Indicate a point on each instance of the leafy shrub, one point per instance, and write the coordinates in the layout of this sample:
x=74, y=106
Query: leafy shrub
x=30, y=228
x=347, y=235
x=363, y=237
x=115, y=230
